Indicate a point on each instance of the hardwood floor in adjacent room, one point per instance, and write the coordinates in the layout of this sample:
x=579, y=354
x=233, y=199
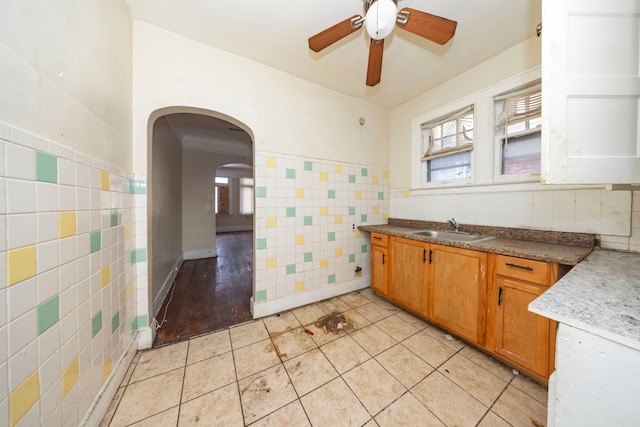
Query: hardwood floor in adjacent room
x=210, y=294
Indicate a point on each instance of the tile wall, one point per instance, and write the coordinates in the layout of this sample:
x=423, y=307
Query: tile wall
x=72, y=277
x=307, y=213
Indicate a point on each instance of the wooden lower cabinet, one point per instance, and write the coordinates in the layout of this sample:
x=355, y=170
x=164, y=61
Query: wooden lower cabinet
x=379, y=264
x=408, y=275
x=458, y=291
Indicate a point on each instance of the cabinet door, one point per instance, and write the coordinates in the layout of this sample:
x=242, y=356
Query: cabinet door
x=409, y=266
x=590, y=91
x=521, y=336
x=379, y=269
x=458, y=288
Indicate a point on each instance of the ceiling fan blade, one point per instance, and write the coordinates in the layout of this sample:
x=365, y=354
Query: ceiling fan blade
x=431, y=27
x=333, y=34
x=374, y=69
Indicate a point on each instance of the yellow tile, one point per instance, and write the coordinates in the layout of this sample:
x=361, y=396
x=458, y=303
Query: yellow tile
x=106, y=370
x=66, y=224
x=375, y=180
x=299, y=286
x=324, y=211
x=126, y=231
x=324, y=263
x=357, y=233
x=299, y=239
x=386, y=174
x=105, y=276
x=128, y=289
x=406, y=194
x=385, y=217
x=338, y=169
x=21, y=264
x=271, y=162
x=299, y=193
x=338, y=219
x=105, y=183
x=358, y=195
x=272, y=222
x=23, y=398
x=338, y=252
x=70, y=377
x=324, y=176
x=272, y=262
x=375, y=210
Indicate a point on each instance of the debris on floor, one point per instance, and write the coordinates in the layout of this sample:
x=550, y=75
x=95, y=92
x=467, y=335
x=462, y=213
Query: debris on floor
x=334, y=323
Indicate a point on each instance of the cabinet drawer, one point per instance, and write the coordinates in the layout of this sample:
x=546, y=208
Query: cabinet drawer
x=524, y=269
x=379, y=239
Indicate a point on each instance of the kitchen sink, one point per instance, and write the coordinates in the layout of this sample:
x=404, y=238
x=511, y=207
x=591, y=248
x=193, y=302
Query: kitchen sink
x=457, y=236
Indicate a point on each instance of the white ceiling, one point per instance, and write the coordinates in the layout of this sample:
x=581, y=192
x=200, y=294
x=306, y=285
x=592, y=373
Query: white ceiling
x=275, y=33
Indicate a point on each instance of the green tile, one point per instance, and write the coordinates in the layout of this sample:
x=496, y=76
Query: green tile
x=331, y=278
x=363, y=249
x=291, y=174
x=115, y=322
x=363, y=218
x=352, y=210
x=291, y=212
x=352, y=258
x=331, y=236
x=95, y=240
x=365, y=172
x=308, y=256
x=48, y=314
x=261, y=243
x=380, y=195
x=331, y=194
x=138, y=255
x=139, y=322
x=261, y=191
x=261, y=295
x=46, y=167
x=308, y=166
x=352, y=179
x=114, y=218
x=291, y=268
x=96, y=324
x=137, y=187
x=308, y=220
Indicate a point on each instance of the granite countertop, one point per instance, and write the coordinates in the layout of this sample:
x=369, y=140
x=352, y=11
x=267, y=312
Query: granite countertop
x=601, y=295
x=548, y=250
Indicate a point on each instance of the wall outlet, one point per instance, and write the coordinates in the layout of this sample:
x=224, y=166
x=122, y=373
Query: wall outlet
x=353, y=226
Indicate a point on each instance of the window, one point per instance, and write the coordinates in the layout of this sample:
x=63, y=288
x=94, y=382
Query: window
x=518, y=129
x=246, y=196
x=222, y=195
x=447, y=143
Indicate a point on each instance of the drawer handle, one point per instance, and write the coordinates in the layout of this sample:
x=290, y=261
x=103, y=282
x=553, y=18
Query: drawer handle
x=377, y=237
x=524, y=267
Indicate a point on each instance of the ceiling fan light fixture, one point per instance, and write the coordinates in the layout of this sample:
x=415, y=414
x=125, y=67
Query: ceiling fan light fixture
x=380, y=19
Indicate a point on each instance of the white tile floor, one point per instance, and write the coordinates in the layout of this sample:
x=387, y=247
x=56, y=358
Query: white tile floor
x=385, y=367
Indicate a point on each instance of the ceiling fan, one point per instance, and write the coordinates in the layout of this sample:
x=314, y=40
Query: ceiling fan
x=379, y=17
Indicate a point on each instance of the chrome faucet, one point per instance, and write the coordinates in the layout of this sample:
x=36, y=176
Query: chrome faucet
x=454, y=224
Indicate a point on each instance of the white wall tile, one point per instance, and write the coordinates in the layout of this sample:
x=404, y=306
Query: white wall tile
x=47, y=225
x=21, y=196
x=21, y=298
x=29, y=140
x=66, y=172
x=20, y=162
x=67, y=249
x=31, y=418
x=83, y=199
x=48, y=285
x=4, y=382
x=47, y=254
x=68, y=300
x=4, y=344
x=21, y=230
x=22, y=331
x=69, y=326
x=51, y=398
x=67, y=275
x=47, y=197
x=3, y=196
x=49, y=342
x=67, y=197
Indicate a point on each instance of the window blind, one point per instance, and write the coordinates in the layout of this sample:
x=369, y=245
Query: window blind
x=520, y=105
x=448, y=134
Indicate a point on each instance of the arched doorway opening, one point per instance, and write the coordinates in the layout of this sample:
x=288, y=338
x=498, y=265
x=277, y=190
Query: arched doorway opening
x=187, y=148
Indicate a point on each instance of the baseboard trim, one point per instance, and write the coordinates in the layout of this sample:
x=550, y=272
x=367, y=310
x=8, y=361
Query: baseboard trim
x=267, y=308
x=100, y=404
x=200, y=254
x=166, y=286
x=230, y=228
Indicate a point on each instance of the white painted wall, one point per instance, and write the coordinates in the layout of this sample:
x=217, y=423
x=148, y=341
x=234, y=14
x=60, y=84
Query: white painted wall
x=67, y=74
x=487, y=200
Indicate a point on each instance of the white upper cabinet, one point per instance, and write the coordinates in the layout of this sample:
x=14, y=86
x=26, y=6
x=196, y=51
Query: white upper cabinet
x=591, y=91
